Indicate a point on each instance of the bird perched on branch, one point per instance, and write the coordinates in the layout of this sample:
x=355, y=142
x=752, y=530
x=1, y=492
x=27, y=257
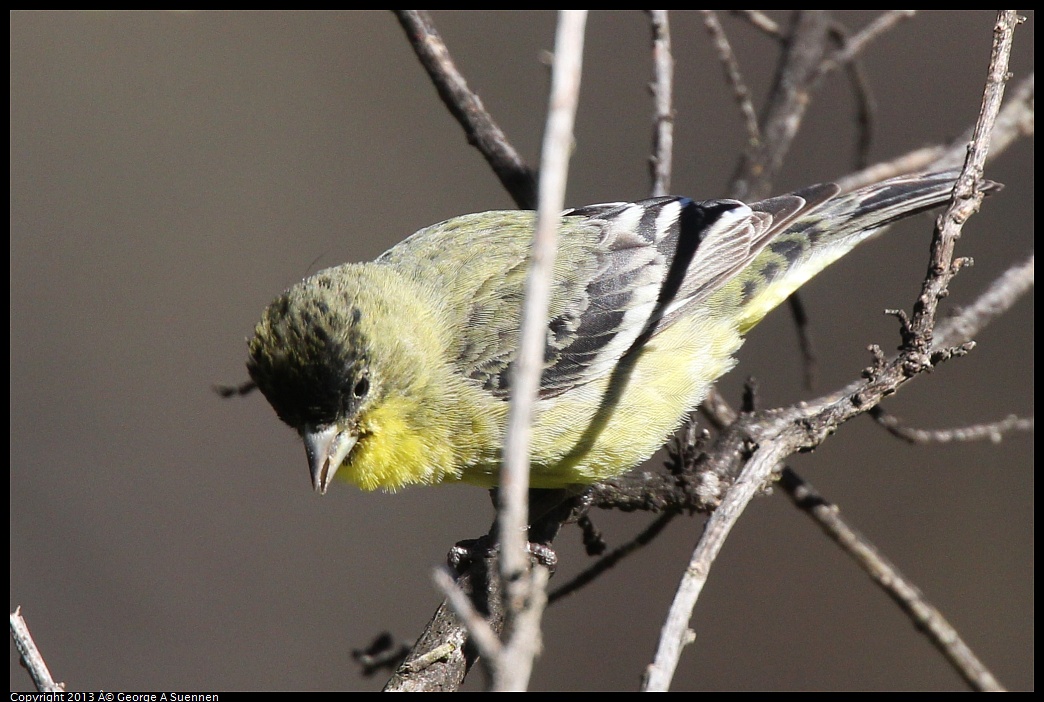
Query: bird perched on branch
x=397, y=372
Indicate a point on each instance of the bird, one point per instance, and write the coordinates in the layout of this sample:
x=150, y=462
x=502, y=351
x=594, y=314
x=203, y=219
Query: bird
x=398, y=371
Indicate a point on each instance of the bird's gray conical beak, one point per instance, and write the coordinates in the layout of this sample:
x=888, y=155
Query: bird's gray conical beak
x=327, y=447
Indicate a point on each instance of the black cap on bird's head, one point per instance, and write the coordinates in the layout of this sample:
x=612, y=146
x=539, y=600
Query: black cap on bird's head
x=308, y=358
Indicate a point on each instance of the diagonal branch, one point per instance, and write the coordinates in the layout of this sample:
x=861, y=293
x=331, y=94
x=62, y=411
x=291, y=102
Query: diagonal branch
x=733, y=75
x=925, y=616
x=481, y=131
x=30, y=655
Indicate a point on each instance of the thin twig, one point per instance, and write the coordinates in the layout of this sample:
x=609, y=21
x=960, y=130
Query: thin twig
x=787, y=103
x=759, y=20
x=662, y=88
x=1015, y=121
x=419, y=672
x=656, y=492
x=846, y=56
x=855, y=44
x=798, y=76
x=956, y=330
x=511, y=670
x=851, y=47
x=925, y=616
x=733, y=76
x=809, y=359
x=989, y=431
x=609, y=560
x=920, y=348
x=866, y=112
x=521, y=649
x=924, y=158
x=482, y=132
x=479, y=630
x=866, y=108
x=30, y=655
x=966, y=198
x=1004, y=292
x=675, y=633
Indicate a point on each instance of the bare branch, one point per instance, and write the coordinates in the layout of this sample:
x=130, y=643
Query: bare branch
x=956, y=330
x=676, y=633
x=733, y=76
x=419, y=672
x=1014, y=122
x=515, y=664
x=662, y=89
x=991, y=431
x=966, y=197
x=479, y=630
x=919, y=352
x=769, y=427
x=786, y=106
x=761, y=21
x=855, y=44
x=925, y=616
x=482, y=132
x=811, y=422
x=995, y=301
x=609, y=560
x=30, y=655
x=804, y=330
x=866, y=108
x=524, y=595
x=657, y=492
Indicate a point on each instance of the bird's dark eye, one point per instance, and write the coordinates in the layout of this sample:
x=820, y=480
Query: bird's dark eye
x=361, y=388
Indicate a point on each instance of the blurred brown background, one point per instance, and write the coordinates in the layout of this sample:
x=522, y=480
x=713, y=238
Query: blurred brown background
x=173, y=172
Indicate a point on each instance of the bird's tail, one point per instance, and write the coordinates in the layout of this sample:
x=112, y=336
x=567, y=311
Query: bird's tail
x=827, y=232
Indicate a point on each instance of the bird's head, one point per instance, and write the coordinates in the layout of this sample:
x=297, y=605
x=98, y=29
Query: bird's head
x=311, y=357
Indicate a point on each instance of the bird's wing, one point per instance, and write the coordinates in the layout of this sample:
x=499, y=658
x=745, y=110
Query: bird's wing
x=622, y=272
x=658, y=258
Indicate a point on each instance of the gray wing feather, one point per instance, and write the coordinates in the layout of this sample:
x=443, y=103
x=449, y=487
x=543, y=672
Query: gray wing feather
x=624, y=271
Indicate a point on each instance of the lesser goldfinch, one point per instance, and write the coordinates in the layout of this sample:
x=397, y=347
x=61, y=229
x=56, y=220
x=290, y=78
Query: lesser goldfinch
x=397, y=372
